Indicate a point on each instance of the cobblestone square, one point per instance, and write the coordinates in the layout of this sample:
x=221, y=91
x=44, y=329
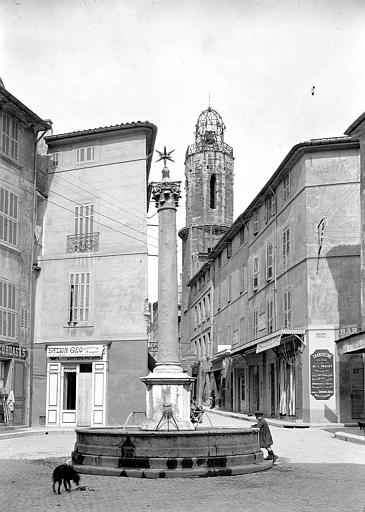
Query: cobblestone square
x=315, y=472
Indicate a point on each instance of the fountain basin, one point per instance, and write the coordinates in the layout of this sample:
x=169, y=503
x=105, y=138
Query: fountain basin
x=168, y=454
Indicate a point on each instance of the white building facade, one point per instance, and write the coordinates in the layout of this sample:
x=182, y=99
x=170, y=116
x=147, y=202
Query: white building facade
x=90, y=335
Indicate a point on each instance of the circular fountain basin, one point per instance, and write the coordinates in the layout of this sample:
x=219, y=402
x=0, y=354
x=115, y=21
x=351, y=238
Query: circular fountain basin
x=166, y=454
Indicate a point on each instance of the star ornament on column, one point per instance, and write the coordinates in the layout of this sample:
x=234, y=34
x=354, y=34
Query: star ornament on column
x=165, y=155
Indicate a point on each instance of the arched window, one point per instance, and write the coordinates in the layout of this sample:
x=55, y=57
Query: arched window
x=212, y=191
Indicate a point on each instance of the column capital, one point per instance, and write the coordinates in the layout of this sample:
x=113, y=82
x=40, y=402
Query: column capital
x=166, y=194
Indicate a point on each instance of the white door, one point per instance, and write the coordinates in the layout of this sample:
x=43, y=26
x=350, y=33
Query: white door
x=84, y=395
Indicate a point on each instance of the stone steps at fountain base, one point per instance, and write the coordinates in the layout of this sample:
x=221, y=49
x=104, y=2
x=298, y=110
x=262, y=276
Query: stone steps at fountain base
x=193, y=472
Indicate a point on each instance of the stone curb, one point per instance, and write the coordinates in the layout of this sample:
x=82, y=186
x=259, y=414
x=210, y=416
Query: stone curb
x=276, y=422
x=26, y=433
x=351, y=438
x=252, y=419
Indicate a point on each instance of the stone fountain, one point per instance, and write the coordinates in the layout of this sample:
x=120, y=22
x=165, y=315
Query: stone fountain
x=167, y=444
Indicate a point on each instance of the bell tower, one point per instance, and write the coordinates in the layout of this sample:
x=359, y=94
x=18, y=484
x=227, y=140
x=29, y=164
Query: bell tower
x=209, y=207
x=208, y=189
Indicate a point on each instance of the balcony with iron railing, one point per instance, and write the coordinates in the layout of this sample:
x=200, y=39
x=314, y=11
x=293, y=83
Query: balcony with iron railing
x=86, y=242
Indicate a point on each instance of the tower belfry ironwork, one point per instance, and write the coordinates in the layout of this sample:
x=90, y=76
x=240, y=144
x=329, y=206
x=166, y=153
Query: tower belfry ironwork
x=209, y=129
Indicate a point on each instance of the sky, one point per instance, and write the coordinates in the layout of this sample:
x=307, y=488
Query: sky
x=91, y=63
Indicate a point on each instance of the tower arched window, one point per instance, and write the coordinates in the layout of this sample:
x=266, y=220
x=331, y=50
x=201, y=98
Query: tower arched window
x=212, y=191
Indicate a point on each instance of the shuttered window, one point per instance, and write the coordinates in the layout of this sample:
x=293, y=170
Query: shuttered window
x=285, y=246
x=7, y=310
x=287, y=310
x=79, y=297
x=84, y=219
x=8, y=217
x=255, y=273
x=270, y=317
x=269, y=262
x=85, y=154
x=10, y=138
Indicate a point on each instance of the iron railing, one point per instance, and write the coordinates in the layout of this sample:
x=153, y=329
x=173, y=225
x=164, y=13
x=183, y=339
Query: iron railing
x=87, y=242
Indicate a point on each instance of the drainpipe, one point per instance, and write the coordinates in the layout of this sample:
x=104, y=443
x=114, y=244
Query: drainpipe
x=31, y=278
x=275, y=257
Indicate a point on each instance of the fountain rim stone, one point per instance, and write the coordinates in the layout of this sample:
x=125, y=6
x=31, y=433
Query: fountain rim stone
x=120, y=430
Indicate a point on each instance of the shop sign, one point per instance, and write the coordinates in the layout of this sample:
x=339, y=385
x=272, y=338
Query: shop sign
x=75, y=351
x=13, y=351
x=322, y=379
x=348, y=329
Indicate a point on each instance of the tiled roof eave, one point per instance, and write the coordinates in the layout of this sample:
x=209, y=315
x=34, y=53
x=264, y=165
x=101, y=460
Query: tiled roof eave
x=100, y=130
x=38, y=121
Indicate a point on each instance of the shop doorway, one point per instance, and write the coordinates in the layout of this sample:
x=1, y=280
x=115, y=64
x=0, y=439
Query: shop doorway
x=272, y=390
x=287, y=387
x=4, y=390
x=77, y=394
x=357, y=388
x=255, y=388
x=242, y=389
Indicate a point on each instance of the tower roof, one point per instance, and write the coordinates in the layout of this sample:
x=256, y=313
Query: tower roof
x=209, y=128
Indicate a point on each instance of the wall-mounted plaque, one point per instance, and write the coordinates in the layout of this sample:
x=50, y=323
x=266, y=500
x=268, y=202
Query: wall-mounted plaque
x=322, y=378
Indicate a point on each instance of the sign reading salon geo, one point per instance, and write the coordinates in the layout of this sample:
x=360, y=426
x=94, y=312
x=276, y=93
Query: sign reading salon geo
x=322, y=380
x=75, y=351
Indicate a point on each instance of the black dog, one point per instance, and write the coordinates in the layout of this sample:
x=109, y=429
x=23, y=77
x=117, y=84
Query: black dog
x=65, y=474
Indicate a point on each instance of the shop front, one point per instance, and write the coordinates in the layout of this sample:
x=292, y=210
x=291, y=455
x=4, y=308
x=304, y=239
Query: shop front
x=351, y=352
x=76, y=385
x=268, y=375
x=239, y=381
x=12, y=384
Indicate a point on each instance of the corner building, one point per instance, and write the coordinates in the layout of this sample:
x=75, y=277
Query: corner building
x=91, y=333
x=284, y=285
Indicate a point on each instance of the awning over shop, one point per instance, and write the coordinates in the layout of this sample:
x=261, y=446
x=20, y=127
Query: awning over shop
x=270, y=341
x=266, y=345
x=355, y=343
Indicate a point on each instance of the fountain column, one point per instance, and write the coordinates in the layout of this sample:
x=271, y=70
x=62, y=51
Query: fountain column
x=168, y=387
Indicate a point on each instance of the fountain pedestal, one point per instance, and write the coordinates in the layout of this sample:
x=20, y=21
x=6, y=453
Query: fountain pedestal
x=167, y=400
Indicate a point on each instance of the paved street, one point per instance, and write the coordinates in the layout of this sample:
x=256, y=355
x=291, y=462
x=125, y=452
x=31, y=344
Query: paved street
x=315, y=472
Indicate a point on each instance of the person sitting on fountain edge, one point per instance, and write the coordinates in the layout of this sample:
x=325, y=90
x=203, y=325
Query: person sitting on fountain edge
x=265, y=437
